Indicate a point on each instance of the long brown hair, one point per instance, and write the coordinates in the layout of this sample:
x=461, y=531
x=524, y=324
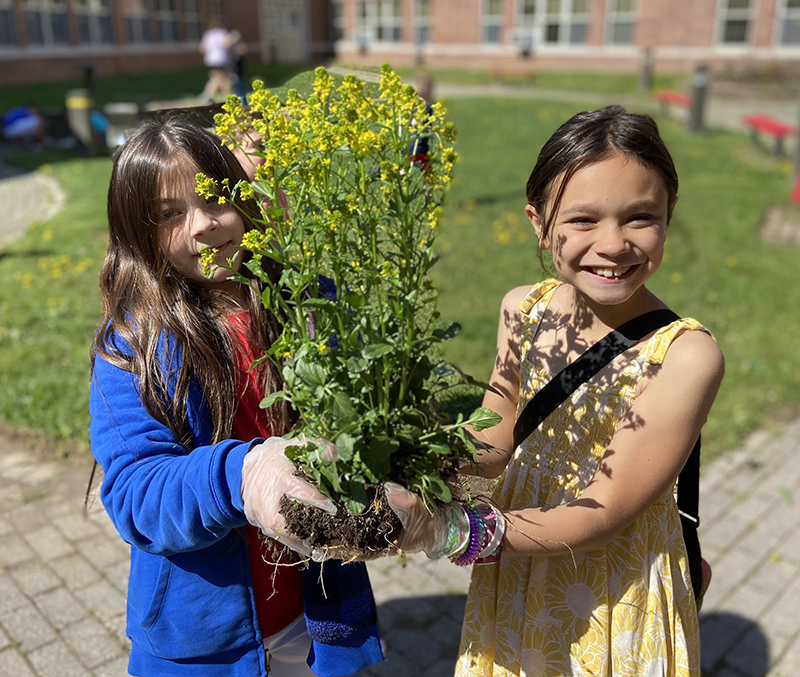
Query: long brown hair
x=177, y=335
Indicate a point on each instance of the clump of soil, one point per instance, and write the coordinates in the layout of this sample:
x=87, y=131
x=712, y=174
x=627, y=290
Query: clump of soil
x=373, y=533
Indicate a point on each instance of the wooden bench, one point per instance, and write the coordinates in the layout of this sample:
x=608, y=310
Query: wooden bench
x=759, y=123
x=669, y=98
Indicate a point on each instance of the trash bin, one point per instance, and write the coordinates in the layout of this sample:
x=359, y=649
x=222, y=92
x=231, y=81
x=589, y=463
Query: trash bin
x=122, y=118
x=79, y=108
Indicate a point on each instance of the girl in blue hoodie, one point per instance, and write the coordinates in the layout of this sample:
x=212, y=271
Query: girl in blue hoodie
x=193, y=467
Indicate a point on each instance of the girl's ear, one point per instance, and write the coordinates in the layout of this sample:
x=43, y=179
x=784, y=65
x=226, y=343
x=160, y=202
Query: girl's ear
x=671, y=209
x=536, y=222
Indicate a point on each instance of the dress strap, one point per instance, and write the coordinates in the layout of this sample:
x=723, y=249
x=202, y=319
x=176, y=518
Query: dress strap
x=655, y=350
x=532, y=308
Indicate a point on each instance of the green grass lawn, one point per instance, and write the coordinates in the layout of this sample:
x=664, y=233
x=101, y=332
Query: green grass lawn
x=50, y=306
x=621, y=83
x=716, y=269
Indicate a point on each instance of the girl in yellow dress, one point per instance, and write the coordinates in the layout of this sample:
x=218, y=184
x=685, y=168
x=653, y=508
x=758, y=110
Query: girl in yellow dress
x=592, y=576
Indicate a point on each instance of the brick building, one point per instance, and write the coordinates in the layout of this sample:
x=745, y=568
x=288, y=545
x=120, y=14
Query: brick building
x=47, y=40
x=571, y=34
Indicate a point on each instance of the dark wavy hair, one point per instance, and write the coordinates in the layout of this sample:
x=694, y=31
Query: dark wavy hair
x=587, y=138
x=146, y=300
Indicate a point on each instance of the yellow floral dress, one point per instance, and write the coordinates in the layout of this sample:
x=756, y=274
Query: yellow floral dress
x=626, y=609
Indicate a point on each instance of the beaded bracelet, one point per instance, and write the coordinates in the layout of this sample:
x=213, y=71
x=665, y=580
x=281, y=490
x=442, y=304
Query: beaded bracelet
x=496, y=527
x=477, y=538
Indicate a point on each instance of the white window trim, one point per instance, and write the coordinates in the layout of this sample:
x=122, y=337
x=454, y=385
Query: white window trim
x=483, y=23
x=781, y=12
x=368, y=33
x=613, y=16
x=722, y=17
x=422, y=21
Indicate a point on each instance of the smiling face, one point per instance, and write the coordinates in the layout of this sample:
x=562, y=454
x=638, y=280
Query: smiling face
x=188, y=222
x=607, y=236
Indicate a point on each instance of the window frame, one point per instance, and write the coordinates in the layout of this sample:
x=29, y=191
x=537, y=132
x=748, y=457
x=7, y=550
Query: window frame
x=45, y=13
x=615, y=17
x=782, y=14
x=93, y=13
x=724, y=17
x=372, y=25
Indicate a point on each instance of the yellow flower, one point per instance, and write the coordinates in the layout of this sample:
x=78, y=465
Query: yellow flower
x=206, y=186
x=207, y=259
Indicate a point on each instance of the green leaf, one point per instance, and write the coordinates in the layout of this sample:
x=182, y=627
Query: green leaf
x=356, y=365
x=266, y=297
x=440, y=490
x=354, y=495
x=441, y=449
x=318, y=303
x=376, y=457
x=354, y=300
x=311, y=374
x=329, y=472
x=261, y=188
x=344, y=447
x=277, y=396
x=376, y=350
x=482, y=418
x=343, y=409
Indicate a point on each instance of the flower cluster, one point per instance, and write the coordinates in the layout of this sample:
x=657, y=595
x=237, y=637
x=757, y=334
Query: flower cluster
x=364, y=171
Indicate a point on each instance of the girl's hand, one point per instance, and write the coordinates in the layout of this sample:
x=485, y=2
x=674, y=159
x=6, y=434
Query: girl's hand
x=267, y=475
x=424, y=529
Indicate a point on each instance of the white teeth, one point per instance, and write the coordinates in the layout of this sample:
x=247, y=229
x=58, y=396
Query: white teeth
x=611, y=272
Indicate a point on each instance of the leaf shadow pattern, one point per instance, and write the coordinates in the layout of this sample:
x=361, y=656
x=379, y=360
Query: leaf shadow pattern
x=565, y=342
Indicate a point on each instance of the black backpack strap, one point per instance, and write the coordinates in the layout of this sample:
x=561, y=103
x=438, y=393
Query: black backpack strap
x=563, y=384
x=688, y=500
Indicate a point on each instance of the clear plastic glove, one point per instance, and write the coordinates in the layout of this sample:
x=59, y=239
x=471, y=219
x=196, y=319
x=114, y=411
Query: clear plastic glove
x=424, y=529
x=267, y=475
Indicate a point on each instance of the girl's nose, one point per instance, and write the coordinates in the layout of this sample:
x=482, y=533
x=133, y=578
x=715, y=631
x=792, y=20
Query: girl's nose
x=202, y=222
x=611, y=241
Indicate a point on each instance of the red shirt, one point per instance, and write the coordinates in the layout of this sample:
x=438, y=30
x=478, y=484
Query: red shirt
x=278, y=589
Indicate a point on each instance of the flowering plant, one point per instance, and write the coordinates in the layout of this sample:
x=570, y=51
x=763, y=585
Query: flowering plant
x=364, y=173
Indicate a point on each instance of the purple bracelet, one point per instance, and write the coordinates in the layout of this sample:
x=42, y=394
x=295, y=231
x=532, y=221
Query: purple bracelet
x=477, y=533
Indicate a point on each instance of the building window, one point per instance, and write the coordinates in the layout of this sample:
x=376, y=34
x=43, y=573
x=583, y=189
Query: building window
x=492, y=21
x=735, y=15
x=380, y=20
x=46, y=22
x=137, y=22
x=94, y=21
x=422, y=22
x=167, y=17
x=789, y=23
x=566, y=22
x=337, y=21
x=621, y=22
x=192, y=20
x=8, y=28
x=215, y=10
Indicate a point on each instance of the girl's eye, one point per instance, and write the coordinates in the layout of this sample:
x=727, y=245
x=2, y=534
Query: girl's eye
x=582, y=222
x=169, y=214
x=641, y=218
